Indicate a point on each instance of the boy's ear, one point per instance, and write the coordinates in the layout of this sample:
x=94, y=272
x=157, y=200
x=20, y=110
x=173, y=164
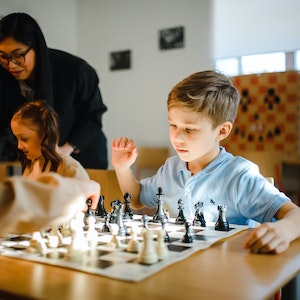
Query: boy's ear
x=225, y=129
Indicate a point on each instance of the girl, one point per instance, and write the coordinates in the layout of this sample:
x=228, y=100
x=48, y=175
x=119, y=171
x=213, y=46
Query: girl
x=36, y=127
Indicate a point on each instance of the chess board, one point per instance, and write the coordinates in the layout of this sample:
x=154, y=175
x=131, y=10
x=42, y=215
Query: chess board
x=118, y=263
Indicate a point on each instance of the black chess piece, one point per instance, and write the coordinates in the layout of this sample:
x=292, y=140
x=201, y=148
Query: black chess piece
x=128, y=214
x=101, y=211
x=180, y=218
x=113, y=215
x=90, y=211
x=105, y=227
x=160, y=213
x=187, y=238
x=222, y=224
x=199, y=219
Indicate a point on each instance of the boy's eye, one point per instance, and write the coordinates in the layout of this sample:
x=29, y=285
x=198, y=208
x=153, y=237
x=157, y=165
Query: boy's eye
x=188, y=130
x=172, y=125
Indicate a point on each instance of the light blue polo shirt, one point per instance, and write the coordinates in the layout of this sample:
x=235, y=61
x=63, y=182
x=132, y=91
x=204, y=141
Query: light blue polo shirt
x=230, y=180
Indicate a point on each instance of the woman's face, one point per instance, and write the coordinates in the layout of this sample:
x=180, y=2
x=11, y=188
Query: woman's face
x=10, y=48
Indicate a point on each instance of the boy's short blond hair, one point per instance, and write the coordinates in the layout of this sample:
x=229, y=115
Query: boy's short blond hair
x=209, y=92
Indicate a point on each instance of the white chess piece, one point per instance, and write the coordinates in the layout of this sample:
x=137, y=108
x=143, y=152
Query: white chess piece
x=161, y=247
x=37, y=244
x=114, y=242
x=133, y=244
x=92, y=234
x=147, y=255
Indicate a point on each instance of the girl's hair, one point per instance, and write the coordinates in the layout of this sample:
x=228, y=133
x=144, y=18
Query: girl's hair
x=24, y=29
x=39, y=115
x=208, y=92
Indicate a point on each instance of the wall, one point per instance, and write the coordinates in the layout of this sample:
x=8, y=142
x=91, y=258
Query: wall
x=136, y=98
x=58, y=19
x=256, y=26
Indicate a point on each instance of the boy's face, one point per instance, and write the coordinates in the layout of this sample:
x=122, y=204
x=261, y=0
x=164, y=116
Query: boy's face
x=193, y=136
x=28, y=139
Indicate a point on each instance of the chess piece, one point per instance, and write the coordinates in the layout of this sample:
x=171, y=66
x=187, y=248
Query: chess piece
x=37, y=244
x=113, y=215
x=147, y=255
x=54, y=238
x=119, y=218
x=145, y=220
x=187, y=238
x=163, y=224
x=92, y=234
x=180, y=218
x=133, y=244
x=161, y=247
x=128, y=214
x=105, y=227
x=160, y=213
x=222, y=224
x=114, y=242
x=199, y=219
x=101, y=211
x=90, y=211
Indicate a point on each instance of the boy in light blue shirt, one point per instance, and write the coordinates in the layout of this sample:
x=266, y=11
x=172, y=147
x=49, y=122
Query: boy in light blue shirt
x=201, y=111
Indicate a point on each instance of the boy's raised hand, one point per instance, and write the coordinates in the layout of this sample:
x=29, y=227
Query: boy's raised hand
x=124, y=153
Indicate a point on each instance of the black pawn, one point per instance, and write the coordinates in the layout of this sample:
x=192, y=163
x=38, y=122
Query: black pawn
x=180, y=218
x=128, y=214
x=101, y=211
x=90, y=211
x=113, y=215
x=222, y=223
x=187, y=238
x=105, y=227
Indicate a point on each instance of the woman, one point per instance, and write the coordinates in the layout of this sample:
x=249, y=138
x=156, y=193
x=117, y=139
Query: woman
x=35, y=126
x=65, y=81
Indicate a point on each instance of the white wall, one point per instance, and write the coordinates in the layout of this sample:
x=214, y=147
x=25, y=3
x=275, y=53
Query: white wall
x=57, y=19
x=255, y=26
x=136, y=98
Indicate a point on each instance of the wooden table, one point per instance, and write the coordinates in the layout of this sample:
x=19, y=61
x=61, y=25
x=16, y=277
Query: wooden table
x=224, y=271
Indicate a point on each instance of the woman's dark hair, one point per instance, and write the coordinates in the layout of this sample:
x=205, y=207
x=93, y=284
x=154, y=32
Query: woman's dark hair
x=24, y=29
x=41, y=116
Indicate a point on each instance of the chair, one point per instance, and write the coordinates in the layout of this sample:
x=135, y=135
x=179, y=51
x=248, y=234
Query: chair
x=269, y=163
x=149, y=160
x=108, y=181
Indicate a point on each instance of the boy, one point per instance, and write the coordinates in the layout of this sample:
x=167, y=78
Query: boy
x=201, y=111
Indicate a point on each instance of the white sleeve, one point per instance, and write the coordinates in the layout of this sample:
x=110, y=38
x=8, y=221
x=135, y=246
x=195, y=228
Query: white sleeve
x=28, y=205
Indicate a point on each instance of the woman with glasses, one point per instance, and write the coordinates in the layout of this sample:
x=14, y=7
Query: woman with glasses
x=65, y=81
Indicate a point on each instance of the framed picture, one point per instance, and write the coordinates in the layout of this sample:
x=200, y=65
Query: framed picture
x=120, y=60
x=171, y=38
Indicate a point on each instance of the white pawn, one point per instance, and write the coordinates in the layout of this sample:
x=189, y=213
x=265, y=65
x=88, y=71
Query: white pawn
x=114, y=242
x=133, y=244
x=161, y=247
x=148, y=254
x=37, y=244
x=54, y=238
x=92, y=234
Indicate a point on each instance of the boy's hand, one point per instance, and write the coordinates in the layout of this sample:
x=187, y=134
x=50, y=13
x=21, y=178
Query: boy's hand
x=124, y=153
x=268, y=238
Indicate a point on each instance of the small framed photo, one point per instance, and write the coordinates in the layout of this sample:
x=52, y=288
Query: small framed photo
x=120, y=60
x=171, y=38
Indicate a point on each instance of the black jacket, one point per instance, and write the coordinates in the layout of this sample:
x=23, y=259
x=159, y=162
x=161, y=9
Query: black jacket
x=78, y=103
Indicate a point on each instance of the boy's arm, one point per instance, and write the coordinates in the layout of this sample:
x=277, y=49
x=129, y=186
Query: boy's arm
x=124, y=154
x=276, y=237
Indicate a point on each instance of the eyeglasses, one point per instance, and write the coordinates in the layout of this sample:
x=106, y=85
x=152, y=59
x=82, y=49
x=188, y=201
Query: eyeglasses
x=17, y=59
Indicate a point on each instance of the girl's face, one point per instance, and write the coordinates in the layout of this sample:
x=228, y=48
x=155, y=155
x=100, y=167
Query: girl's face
x=29, y=141
x=10, y=48
x=194, y=138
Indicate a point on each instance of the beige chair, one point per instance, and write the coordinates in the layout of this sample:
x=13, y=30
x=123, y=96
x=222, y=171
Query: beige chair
x=110, y=188
x=269, y=163
x=149, y=160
